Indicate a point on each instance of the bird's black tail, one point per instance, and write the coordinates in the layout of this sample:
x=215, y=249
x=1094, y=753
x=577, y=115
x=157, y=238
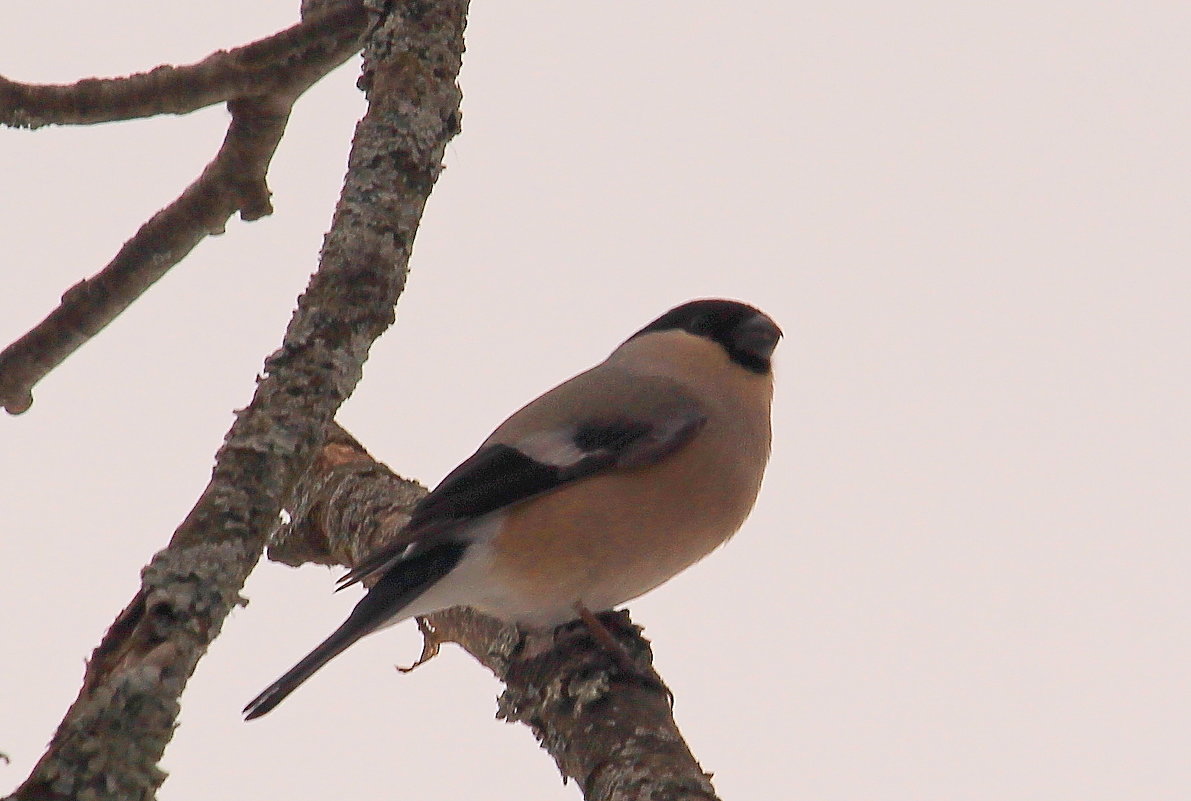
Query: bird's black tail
x=404, y=582
x=327, y=650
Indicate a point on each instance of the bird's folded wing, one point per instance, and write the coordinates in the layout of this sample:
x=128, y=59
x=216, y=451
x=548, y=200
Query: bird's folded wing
x=502, y=474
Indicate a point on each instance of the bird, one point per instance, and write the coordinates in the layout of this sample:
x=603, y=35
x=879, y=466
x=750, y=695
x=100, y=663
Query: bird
x=589, y=496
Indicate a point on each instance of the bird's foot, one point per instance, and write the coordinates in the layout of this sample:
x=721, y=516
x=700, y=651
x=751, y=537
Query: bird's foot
x=627, y=665
x=431, y=644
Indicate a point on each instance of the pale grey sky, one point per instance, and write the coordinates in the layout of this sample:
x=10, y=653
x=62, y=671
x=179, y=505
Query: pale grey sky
x=967, y=575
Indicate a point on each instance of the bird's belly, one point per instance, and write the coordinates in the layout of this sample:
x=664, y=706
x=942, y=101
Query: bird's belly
x=610, y=540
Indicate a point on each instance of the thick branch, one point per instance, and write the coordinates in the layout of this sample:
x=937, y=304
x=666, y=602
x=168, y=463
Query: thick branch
x=233, y=181
x=109, y=744
x=316, y=45
x=615, y=736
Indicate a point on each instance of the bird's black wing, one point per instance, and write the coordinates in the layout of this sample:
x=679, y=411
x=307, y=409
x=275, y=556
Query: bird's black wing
x=503, y=474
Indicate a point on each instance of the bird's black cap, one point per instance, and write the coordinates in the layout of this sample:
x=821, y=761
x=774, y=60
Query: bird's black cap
x=745, y=332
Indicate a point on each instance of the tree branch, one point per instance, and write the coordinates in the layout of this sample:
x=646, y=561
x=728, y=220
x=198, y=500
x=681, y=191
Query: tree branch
x=114, y=734
x=264, y=67
x=286, y=66
x=234, y=180
x=613, y=735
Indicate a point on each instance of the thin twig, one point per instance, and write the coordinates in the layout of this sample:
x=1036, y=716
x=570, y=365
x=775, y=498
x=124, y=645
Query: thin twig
x=613, y=734
x=109, y=744
x=233, y=181
x=260, y=68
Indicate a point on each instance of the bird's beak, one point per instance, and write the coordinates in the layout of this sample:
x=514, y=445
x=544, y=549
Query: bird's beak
x=757, y=336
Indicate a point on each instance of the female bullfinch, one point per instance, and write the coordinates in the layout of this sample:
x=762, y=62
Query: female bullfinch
x=589, y=496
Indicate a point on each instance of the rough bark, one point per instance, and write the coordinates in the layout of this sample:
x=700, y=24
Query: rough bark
x=109, y=744
x=612, y=733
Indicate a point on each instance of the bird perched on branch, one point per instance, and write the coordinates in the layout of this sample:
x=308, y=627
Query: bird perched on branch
x=589, y=496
